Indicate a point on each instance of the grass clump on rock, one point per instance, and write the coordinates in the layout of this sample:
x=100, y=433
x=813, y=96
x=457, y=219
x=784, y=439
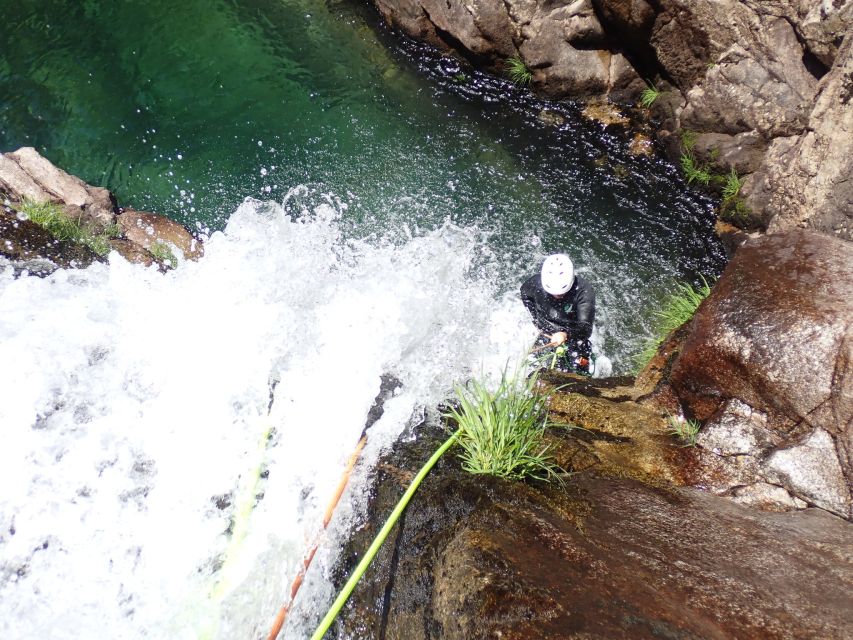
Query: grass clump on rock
x=518, y=72
x=685, y=430
x=649, y=95
x=693, y=171
x=501, y=431
x=678, y=309
x=51, y=216
x=163, y=253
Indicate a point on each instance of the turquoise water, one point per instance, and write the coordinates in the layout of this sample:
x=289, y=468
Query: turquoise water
x=187, y=108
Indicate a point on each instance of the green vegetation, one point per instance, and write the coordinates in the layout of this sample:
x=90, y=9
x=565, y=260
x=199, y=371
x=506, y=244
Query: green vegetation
x=649, y=95
x=685, y=430
x=733, y=208
x=460, y=78
x=517, y=71
x=693, y=171
x=163, y=253
x=732, y=186
x=678, y=309
x=51, y=216
x=688, y=141
x=501, y=431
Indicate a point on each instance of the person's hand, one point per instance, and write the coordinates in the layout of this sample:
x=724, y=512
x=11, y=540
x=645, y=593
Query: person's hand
x=560, y=337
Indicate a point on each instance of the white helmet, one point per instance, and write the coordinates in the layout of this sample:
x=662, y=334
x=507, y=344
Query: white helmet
x=558, y=274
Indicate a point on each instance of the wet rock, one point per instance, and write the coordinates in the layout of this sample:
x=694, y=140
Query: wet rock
x=641, y=145
x=132, y=252
x=149, y=229
x=551, y=118
x=605, y=113
x=775, y=335
x=731, y=236
x=812, y=470
x=477, y=558
x=31, y=248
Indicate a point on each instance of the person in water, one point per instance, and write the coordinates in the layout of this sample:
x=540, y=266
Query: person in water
x=562, y=305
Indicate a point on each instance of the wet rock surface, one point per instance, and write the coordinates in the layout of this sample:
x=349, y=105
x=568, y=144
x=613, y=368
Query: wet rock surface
x=767, y=367
x=31, y=248
x=26, y=176
x=599, y=557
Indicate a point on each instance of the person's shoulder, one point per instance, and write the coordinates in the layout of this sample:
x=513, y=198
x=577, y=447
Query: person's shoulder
x=532, y=283
x=583, y=283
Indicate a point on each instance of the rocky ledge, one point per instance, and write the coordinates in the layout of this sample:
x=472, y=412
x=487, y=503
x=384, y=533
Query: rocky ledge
x=746, y=535
x=28, y=179
x=761, y=87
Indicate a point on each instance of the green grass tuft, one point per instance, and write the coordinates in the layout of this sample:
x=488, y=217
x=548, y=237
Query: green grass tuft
x=685, y=430
x=163, y=253
x=518, y=72
x=732, y=186
x=688, y=140
x=678, y=309
x=693, y=171
x=649, y=95
x=51, y=216
x=502, y=430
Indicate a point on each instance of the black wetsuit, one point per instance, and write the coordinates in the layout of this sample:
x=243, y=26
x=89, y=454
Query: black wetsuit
x=574, y=313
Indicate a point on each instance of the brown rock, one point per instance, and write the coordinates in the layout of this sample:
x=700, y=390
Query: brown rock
x=147, y=229
x=641, y=145
x=776, y=334
x=605, y=113
x=476, y=559
x=30, y=247
x=131, y=252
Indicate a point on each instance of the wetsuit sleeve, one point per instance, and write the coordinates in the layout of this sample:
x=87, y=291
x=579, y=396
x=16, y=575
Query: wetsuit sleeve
x=585, y=310
x=529, y=292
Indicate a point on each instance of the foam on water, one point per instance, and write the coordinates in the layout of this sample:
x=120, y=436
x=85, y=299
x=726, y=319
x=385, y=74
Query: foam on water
x=135, y=403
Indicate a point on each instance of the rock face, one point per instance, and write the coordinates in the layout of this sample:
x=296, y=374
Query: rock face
x=805, y=179
x=148, y=229
x=32, y=249
x=478, y=558
x=25, y=175
x=768, y=365
x=563, y=43
x=763, y=85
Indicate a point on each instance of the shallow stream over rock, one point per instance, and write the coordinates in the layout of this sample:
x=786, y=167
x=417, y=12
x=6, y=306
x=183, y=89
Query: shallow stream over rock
x=398, y=200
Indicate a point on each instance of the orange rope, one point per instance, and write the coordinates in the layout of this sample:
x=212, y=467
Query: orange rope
x=306, y=562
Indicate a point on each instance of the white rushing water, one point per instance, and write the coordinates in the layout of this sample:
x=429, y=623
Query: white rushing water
x=134, y=417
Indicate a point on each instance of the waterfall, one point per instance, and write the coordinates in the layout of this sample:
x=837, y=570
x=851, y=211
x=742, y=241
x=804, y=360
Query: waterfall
x=170, y=440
